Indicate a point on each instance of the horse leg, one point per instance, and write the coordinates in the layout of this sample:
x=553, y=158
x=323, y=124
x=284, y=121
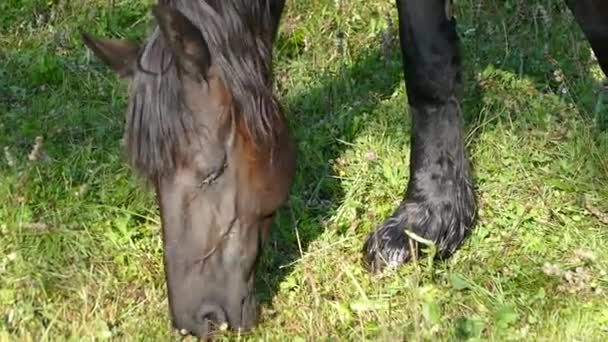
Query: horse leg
x=592, y=17
x=439, y=203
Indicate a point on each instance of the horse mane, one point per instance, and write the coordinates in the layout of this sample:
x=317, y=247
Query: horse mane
x=239, y=36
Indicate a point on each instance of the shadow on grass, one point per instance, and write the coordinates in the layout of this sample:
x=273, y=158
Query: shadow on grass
x=538, y=43
x=328, y=111
x=333, y=110
x=528, y=40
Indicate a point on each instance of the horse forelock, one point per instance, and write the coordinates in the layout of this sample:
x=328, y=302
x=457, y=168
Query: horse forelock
x=238, y=35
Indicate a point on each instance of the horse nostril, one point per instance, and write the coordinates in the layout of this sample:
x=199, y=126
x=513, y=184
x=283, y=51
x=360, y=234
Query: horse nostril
x=208, y=318
x=212, y=313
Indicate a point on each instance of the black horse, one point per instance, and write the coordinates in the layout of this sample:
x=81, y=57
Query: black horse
x=204, y=127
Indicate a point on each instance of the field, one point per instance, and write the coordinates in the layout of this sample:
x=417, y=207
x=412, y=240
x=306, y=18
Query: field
x=80, y=243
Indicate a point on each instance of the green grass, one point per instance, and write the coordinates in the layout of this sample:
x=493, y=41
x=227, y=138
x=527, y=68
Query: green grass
x=80, y=246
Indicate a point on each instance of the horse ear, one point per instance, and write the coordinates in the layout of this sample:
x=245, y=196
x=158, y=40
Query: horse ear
x=119, y=54
x=184, y=39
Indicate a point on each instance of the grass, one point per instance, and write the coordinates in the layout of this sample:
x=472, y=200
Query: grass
x=80, y=248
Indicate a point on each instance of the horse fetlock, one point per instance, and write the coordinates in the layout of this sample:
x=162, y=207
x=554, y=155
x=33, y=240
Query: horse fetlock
x=416, y=227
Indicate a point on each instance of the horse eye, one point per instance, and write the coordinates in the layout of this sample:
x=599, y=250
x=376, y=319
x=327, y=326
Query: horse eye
x=212, y=176
x=269, y=216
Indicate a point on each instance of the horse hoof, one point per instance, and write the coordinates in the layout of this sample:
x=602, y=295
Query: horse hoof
x=386, y=247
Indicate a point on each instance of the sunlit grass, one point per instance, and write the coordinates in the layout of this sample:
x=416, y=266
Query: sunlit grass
x=80, y=248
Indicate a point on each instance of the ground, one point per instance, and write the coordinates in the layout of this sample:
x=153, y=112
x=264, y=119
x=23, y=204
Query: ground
x=80, y=246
